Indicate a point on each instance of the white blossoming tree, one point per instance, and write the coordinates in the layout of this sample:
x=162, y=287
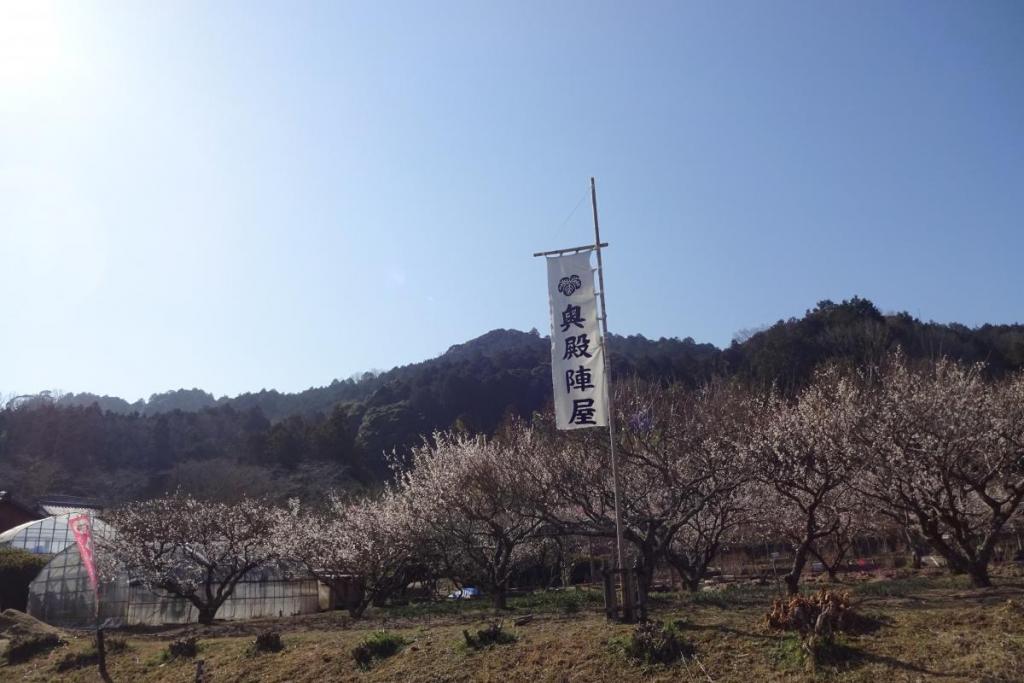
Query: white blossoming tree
x=805, y=459
x=714, y=465
x=719, y=523
x=470, y=496
x=680, y=457
x=947, y=451
x=193, y=549
x=856, y=517
x=372, y=539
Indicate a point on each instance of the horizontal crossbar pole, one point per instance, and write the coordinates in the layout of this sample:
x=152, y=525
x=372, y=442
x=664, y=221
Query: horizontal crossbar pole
x=566, y=251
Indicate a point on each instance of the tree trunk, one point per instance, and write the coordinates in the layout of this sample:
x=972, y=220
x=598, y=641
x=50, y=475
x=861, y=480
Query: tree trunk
x=975, y=566
x=831, y=568
x=916, y=545
x=793, y=577
x=357, y=608
x=689, y=574
x=567, y=574
x=499, y=598
x=206, y=615
x=645, y=568
x=978, y=571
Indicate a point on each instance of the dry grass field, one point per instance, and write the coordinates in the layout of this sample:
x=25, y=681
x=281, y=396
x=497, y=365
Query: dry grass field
x=921, y=628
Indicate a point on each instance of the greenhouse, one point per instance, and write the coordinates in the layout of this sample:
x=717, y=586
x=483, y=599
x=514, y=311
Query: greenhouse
x=47, y=536
x=62, y=595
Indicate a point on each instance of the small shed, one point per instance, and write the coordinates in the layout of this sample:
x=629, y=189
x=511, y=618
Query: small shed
x=14, y=512
x=340, y=591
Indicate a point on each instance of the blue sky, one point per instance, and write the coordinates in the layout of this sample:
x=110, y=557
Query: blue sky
x=245, y=195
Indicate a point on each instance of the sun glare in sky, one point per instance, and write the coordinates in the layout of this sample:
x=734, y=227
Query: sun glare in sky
x=30, y=43
x=51, y=235
x=245, y=195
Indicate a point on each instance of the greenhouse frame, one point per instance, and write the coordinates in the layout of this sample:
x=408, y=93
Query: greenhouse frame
x=61, y=594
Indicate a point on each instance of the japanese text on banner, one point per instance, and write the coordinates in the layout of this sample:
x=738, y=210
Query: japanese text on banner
x=577, y=360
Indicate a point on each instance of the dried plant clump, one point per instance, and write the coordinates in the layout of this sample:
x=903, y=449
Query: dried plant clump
x=816, y=619
x=488, y=637
x=655, y=643
x=186, y=648
x=380, y=645
x=820, y=614
x=267, y=641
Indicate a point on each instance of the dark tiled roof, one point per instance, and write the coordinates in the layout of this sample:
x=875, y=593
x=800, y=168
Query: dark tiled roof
x=27, y=508
x=64, y=503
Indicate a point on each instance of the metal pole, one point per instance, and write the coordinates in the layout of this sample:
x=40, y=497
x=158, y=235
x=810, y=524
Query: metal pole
x=621, y=564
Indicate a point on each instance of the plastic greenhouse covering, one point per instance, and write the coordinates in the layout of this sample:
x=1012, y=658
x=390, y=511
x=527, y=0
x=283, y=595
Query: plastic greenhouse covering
x=62, y=595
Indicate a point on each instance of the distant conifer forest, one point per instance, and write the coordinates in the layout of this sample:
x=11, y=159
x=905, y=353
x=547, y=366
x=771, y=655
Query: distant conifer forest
x=335, y=437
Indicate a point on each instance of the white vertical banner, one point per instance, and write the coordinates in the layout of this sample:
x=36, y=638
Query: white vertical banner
x=577, y=355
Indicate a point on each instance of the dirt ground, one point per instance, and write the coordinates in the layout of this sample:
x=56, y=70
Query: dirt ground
x=924, y=628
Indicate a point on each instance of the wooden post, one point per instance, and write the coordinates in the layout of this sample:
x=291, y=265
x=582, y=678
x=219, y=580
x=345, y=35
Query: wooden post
x=627, y=602
x=620, y=570
x=101, y=651
x=640, y=611
x=590, y=552
x=628, y=595
x=611, y=607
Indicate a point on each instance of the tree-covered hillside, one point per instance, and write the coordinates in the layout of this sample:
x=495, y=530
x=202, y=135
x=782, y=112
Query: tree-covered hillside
x=334, y=436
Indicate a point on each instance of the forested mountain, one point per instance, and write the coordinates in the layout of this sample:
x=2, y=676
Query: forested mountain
x=335, y=436
x=498, y=363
